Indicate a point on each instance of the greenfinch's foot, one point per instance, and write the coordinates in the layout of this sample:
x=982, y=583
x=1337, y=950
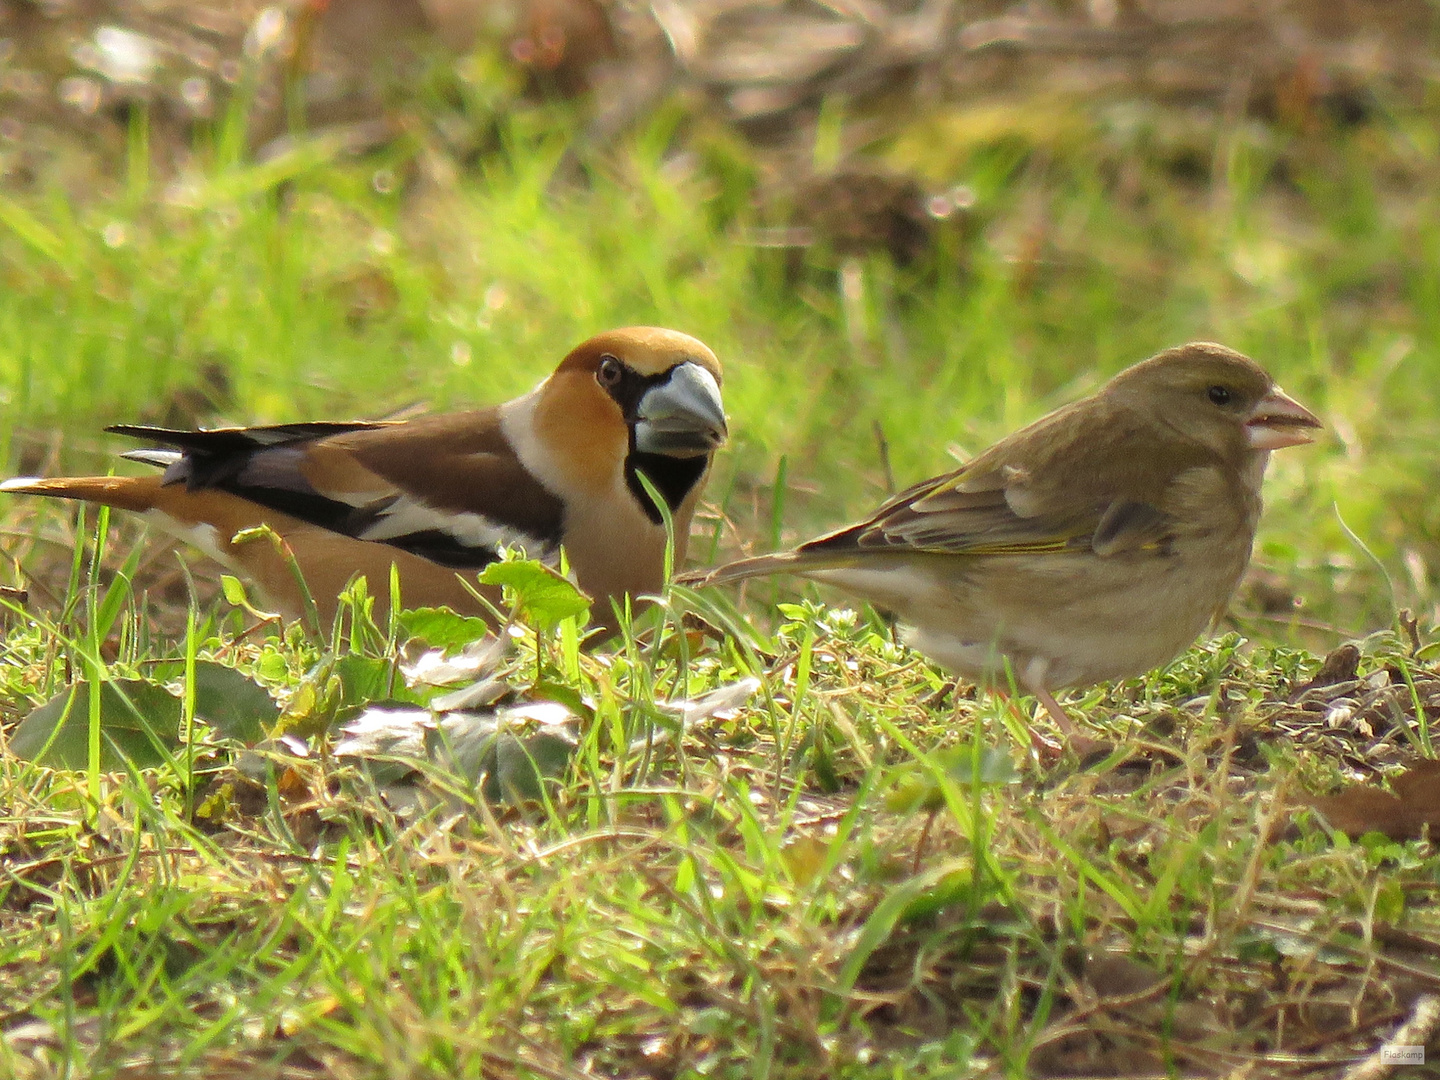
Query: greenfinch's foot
x=1087, y=749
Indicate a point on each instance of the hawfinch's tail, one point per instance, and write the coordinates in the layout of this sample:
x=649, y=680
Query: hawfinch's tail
x=137, y=493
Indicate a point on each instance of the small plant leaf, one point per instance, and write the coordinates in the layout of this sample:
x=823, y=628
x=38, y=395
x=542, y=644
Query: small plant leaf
x=137, y=719
x=538, y=591
x=234, y=591
x=233, y=703
x=917, y=789
x=310, y=709
x=336, y=688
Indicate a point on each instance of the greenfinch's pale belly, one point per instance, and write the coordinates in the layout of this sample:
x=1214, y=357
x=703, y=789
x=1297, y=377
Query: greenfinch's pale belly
x=1060, y=620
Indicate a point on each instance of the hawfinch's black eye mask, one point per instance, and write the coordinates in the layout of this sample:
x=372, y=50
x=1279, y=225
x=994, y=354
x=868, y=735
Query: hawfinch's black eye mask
x=676, y=420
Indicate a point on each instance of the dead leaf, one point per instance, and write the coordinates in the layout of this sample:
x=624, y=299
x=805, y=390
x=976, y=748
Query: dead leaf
x=435, y=668
x=719, y=703
x=1114, y=974
x=1404, y=813
x=1340, y=666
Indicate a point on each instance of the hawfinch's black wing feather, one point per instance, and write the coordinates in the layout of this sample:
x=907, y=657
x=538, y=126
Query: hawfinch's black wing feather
x=236, y=440
x=210, y=457
x=447, y=488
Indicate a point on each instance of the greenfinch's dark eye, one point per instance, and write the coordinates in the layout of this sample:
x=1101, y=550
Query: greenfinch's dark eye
x=610, y=371
x=1219, y=395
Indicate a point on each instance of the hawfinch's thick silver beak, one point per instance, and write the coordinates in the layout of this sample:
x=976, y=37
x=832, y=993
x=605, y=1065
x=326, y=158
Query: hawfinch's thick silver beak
x=1279, y=420
x=683, y=416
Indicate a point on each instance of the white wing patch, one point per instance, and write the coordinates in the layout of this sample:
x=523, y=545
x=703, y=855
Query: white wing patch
x=407, y=516
x=206, y=538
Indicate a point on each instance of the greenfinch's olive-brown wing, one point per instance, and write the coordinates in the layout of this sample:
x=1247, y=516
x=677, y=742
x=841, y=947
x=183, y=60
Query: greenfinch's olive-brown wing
x=1060, y=485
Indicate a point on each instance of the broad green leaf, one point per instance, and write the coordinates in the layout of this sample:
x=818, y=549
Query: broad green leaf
x=540, y=593
x=364, y=679
x=272, y=666
x=136, y=719
x=311, y=707
x=233, y=703
x=442, y=628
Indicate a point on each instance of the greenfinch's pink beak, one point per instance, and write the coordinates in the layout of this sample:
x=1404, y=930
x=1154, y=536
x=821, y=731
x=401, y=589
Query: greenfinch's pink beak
x=1279, y=420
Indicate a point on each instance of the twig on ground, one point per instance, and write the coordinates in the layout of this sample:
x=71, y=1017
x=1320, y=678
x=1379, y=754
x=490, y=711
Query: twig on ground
x=1417, y=1031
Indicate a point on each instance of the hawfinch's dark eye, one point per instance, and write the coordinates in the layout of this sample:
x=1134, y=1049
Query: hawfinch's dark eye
x=1219, y=395
x=610, y=371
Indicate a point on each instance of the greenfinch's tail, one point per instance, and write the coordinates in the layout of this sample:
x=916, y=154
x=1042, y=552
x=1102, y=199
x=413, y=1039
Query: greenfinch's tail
x=741, y=569
x=783, y=562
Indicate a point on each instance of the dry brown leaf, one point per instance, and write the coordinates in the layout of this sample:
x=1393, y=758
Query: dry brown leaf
x=1341, y=665
x=1403, y=813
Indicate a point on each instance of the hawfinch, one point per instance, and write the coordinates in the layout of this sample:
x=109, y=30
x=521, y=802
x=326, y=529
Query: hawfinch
x=438, y=496
x=1095, y=544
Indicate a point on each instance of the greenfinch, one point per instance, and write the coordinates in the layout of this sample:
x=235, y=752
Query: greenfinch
x=1095, y=544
